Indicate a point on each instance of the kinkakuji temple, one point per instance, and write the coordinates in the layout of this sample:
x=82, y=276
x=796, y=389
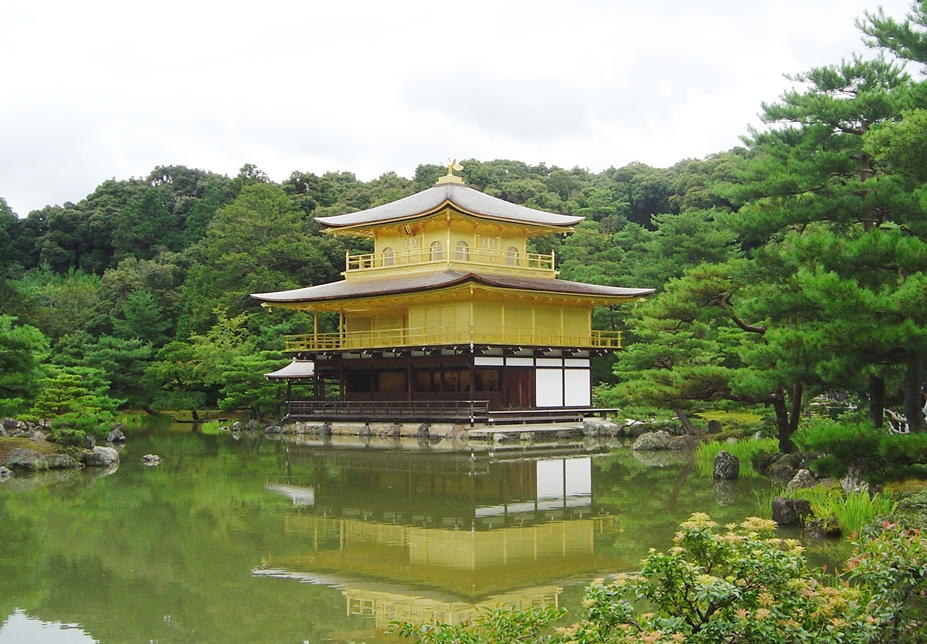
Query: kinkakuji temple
x=450, y=318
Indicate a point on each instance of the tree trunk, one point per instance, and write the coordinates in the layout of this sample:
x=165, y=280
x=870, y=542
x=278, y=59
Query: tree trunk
x=913, y=398
x=787, y=415
x=194, y=415
x=876, y=400
x=687, y=423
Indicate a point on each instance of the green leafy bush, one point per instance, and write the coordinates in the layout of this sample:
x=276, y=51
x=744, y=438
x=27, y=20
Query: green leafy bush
x=878, y=455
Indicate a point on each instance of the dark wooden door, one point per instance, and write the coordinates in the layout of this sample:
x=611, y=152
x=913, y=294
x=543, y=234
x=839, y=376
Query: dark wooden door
x=518, y=387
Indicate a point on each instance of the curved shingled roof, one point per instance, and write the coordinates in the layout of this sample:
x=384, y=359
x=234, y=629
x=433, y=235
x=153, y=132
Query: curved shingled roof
x=467, y=199
x=358, y=288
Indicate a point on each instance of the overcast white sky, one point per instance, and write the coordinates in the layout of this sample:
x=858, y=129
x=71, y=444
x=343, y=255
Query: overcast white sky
x=96, y=90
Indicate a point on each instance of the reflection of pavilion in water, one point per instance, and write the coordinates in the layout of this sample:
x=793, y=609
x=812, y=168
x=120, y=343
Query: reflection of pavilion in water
x=417, y=539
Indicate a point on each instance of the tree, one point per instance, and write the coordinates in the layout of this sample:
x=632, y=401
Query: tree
x=75, y=398
x=257, y=243
x=144, y=225
x=814, y=202
x=142, y=319
x=122, y=361
x=245, y=387
x=22, y=350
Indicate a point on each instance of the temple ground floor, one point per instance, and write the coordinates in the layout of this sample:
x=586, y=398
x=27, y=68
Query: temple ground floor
x=459, y=384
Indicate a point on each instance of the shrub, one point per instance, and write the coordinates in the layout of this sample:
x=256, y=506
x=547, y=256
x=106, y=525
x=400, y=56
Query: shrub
x=878, y=455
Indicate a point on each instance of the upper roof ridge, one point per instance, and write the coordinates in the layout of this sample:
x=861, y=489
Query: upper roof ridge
x=466, y=199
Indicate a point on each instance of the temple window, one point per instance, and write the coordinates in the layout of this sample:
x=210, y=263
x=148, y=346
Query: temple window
x=437, y=252
x=462, y=252
x=387, y=256
x=511, y=256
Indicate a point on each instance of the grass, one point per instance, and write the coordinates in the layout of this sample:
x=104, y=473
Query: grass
x=209, y=427
x=745, y=417
x=7, y=445
x=852, y=511
x=744, y=449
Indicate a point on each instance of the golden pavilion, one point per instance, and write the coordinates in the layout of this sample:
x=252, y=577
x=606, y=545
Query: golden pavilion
x=450, y=318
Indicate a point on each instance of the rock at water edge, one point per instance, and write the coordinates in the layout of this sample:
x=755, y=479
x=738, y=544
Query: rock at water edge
x=101, y=457
x=790, y=512
x=726, y=466
x=652, y=441
x=26, y=459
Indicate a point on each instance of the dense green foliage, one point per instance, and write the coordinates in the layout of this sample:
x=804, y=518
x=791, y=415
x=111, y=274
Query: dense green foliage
x=875, y=454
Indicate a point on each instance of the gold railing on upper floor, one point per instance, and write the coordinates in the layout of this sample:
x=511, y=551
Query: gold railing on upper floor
x=421, y=337
x=497, y=260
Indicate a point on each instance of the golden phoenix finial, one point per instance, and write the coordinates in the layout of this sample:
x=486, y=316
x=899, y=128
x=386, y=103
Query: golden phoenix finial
x=450, y=177
x=453, y=165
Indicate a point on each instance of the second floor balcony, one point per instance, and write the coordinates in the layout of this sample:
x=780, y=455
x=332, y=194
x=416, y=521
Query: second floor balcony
x=445, y=336
x=509, y=262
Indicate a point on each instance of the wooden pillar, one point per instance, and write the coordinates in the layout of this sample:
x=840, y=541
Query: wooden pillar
x=315, y=328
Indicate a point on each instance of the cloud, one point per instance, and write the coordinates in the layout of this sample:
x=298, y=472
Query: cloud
x=103, y=89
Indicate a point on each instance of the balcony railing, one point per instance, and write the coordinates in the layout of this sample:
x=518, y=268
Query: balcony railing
x=496, y=260
x=421, y=337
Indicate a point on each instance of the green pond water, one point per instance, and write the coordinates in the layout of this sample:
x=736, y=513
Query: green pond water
x=252, y=540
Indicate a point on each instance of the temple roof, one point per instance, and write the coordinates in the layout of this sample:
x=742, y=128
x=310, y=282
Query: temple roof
x=433, y=199
x=419, y=282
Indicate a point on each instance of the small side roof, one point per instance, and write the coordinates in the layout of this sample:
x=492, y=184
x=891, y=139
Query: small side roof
x=466, y=199
x=359, y=288
x=296, y=369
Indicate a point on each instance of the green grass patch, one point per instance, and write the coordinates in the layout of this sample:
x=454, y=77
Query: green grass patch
x=731, y=416
x=8, y=444
x=209, y=427
x=744, y=449
x=852, y=511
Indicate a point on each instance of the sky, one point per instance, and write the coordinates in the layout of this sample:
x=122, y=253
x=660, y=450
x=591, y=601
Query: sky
x=97, y=90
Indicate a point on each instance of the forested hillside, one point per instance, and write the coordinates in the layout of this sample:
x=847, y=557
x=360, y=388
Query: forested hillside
x=792, y=266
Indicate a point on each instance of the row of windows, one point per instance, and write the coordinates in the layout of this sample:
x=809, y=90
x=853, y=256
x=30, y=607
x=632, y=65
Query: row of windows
x=461, y=253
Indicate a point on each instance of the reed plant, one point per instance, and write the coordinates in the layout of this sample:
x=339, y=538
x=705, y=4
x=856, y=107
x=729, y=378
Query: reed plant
x=853, y=510
x=745, y=449
x=208, y=427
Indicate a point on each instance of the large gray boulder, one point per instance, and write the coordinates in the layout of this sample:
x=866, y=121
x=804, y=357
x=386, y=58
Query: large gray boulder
x=61, y=462
x=853, y=482
x=684, y=442
x=726, y=466
x=790, y=512
x=101, y=457
x=802, y=480
x=652, y=441
x=26, y=459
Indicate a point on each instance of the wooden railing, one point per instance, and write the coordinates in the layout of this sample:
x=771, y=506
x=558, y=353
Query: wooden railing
x=496, y=260
x=421, y=337
x=419, y=410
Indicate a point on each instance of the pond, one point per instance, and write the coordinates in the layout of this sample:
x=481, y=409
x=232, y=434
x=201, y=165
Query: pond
x=247, y=539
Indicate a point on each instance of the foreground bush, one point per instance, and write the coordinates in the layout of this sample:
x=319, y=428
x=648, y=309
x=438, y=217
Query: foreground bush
x=743, y=585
